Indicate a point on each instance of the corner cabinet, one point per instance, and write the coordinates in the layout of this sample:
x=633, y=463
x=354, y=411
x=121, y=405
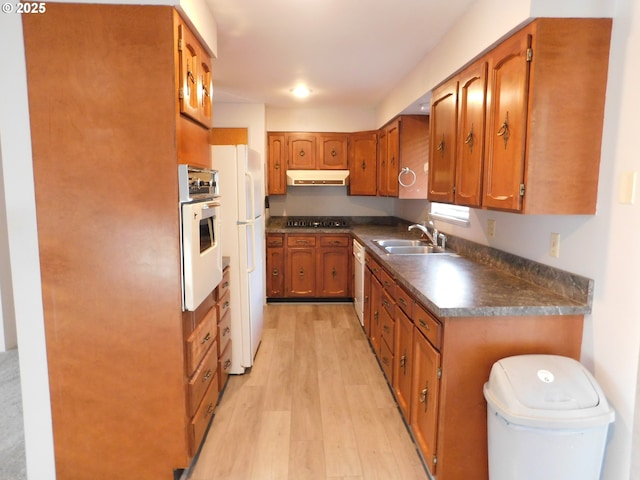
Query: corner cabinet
x=131, y=382
x=438, y=368
x=542, y=142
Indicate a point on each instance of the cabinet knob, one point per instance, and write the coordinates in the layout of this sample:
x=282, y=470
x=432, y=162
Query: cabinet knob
x=301, y=272
x=333, y=273
x=403, y=363
x=207, y=376
x=275, y=272
x=277, y=166
x=301, y=153
x=206, y=338
x=364, y=165
x=333, y=153
x=504, y=130
x=469, y=139
x=440, y=146
x=424, y=396
x=424, y=324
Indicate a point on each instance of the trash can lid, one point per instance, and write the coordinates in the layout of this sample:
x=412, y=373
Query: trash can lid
x=546, y=390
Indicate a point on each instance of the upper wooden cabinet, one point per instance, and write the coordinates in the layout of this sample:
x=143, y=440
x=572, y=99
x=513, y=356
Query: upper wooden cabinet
x=457, y=127
x=276, y=164
x=545, y=92
x=301, y=148
x=403, y=157
x=195, y=81
x=362, y=163
x=332, y=151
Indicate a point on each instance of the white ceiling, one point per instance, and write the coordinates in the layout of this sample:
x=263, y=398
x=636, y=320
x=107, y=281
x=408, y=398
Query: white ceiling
x=349, y=52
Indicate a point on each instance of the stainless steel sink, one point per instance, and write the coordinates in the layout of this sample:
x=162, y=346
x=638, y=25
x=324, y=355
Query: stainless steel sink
x=413, y=250
x=401, y=243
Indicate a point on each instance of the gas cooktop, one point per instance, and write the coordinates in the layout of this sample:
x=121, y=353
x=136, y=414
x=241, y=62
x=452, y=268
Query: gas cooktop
x=316, y=222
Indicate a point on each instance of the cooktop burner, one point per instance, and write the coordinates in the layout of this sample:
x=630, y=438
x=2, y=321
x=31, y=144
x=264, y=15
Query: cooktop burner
x=315, y=222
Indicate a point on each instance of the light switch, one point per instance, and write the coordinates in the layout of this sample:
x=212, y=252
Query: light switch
x=627, y=193
x=491, y=228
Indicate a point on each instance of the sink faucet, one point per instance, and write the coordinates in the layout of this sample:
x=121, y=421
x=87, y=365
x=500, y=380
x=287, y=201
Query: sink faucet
x=423, y=228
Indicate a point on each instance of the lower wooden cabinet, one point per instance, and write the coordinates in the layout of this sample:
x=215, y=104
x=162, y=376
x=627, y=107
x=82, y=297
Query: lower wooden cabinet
x=438, y=366
x=308, y=265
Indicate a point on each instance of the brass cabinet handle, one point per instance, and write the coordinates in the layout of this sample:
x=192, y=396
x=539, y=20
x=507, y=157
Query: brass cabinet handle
x=364, y=165
x=386, y=284
x=302, y=242
x=227, y=364
x=333, y=153
x=386, y=303
x=209, y=410
x=424, y=396
x=469, y=139
x=301, y=273
x=226, y=331
x=424, y=324
x=301, y=153
x=277, y=166
x=385, y=360
x=393, y=159
x=440, y=146
x=206, y=338
x=226, y=305
x=403, y=363
x=225, y=285
x=401, y=300
x=275, y=272
x=375, y=316
x=335, y=242
x=504, y=130
x=386, y=329
x=207, y=376
x=334, y=273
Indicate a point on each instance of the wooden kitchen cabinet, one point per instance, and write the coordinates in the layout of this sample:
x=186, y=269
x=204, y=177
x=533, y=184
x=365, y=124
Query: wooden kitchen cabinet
x=332, y=151
x=301, y=148
x=403, y=365
x=195, y=80
x=457, y=127
x=276, y=164
x=333, y=266
x=363, y=163
x=542, y=143
x=425, y=389
x=403, y=154
x=121, y=396
x=275, y=265
x=308, y=265
x=300, y=266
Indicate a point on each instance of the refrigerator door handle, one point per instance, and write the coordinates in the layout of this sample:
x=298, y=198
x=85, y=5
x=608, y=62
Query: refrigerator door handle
x=252, y=195
x=252, y=226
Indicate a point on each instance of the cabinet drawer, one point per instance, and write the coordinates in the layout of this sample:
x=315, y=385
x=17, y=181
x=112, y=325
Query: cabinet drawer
x=388, y=283
x=275, y=240
x=387, y=329
x=223, y=287
x=388, y=303
x=201, y=379
x=200, y=340
x=373, y=265
x=404, y=301
x=200, y=420
x=301, y=240
x=224, y=365
x=224, y=332
x=428, y=325
x=386, y=360
x=223, y=305
x=334, y=240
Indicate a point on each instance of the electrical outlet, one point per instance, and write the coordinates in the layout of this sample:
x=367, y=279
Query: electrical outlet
x=491, y=227
x=554, y=247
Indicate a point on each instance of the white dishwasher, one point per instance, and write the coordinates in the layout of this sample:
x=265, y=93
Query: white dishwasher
x=358, y=281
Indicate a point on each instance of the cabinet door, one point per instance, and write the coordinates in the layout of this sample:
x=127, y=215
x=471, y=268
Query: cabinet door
x=367, y=302
x=302, y=151
x=442, y=158
x=425, y=393
x=205, y=90
x=376, y=307
x=507, y=94
x=382, y=161
x=472, y=89
x=393, y=159
x=277, y=165
x=362, y=163
x=403, y=363
x=275, y=266
x=301, y=272
x=333, y=271
x=189, y=49
x=332, y=151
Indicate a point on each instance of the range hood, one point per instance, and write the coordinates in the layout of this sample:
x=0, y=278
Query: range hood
x=317, y=178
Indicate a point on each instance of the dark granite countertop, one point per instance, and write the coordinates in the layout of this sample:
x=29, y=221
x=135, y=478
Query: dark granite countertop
x=475, y=280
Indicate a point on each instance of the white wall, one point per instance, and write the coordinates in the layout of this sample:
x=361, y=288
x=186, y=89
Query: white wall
x=22, y=245
x=602, y=247
x=337, y=119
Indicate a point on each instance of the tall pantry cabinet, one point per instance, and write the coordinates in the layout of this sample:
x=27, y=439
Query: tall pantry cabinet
x=107, y=135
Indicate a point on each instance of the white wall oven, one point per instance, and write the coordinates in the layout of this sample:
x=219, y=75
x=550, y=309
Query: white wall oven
x=200, y=234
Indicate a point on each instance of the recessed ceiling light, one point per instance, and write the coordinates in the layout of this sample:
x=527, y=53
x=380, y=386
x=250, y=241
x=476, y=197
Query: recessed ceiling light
x=301, y=91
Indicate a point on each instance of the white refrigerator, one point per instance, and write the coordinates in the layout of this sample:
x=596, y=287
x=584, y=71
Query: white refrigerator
x=241, y=181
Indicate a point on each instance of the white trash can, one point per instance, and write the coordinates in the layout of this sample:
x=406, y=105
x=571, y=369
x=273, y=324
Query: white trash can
x=547, y=418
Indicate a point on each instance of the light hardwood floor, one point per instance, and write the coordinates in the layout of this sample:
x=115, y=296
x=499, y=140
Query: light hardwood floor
x=314, y=406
